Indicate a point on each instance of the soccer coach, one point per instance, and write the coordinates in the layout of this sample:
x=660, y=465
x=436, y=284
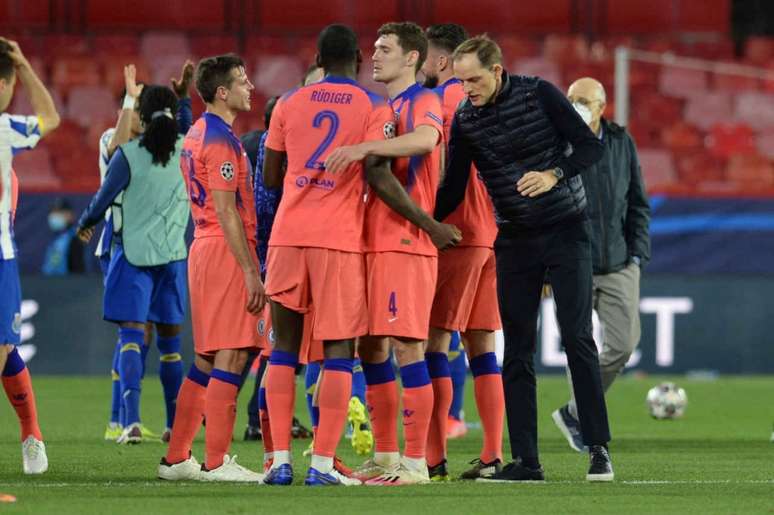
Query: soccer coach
x=529, y=146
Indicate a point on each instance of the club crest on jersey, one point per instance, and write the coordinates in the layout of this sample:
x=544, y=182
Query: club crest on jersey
x=271, y=336
x=261, y=327
x=227, y=171
x=390, y=130
x=17, y=323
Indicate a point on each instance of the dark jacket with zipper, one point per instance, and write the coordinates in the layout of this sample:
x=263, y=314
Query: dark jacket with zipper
x=530, y=126
x=617, y=203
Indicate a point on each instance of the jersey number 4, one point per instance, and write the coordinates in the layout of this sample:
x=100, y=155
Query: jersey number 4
x=392, y=305
x=313, y=162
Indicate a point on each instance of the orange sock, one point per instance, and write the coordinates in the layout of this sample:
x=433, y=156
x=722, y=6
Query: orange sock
x=263, y=413
x=188, y=415
x=382, y=401
x=18, y=388
x=281, y=397
x=333, y=400
x=417, y=408
x=436, y=437
x=220, y=411
x=490, y=400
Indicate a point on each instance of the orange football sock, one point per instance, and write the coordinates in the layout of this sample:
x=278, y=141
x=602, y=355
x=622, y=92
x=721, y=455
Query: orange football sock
x=188, y=419
x=417, y=408
x=281, y=397
x=333, y=400
x=382, y=401
x=18, y=388
x=220, y=412
x=490, y=401
x=436, y=437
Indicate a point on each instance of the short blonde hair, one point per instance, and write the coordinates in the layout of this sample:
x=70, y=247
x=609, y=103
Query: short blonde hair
x=487, y=51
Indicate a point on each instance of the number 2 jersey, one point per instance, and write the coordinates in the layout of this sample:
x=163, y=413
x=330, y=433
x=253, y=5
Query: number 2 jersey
x=213, y=159
x=318, y=208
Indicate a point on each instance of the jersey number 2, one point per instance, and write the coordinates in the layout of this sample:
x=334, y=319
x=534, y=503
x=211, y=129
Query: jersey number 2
x=313, y=161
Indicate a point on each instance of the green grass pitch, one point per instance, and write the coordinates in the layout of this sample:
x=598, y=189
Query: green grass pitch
x=717, y=459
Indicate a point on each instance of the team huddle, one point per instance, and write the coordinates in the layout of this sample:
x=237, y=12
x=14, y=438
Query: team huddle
x=352, y=271
x=351, y=268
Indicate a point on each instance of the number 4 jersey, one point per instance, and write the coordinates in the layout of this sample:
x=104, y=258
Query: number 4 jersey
x=213, y=159
x=318, y=208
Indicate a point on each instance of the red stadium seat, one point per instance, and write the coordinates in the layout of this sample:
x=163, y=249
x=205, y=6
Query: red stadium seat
x=156, y=44
x=657, y=167
x=90, y=105
x=759, y=50
x=274, y=75
x=756, y=110
x=518, y=47
x=502, y=17
x=165, y=67
x=682, y=82
x=709, y=108
x=145, y=14
x=636, y=16
x=565, y=48
x=540, y=68
x=58, y=45
x=752, y=171
x=734, y=83
x=35, y=171
x=203, y=46
x=105, y=45
x=698, y=167
x=765, y=143
x=682, y=137
x=70, y=72
x=25, y=13
x=726, y=140
x=21, y=102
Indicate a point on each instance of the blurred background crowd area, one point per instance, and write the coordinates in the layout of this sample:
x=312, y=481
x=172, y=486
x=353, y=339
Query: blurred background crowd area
x=699, y=130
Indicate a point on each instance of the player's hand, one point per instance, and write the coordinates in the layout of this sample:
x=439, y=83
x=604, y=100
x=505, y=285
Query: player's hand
x=16, y=55
x=256, y=295
x=130, y=81
x=85, y=234
x=536, y=183
x=183, y=84
x=445, y=236
x=342, y=157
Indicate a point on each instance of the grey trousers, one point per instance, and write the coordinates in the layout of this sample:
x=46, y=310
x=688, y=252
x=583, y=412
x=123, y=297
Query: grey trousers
x=616, y=298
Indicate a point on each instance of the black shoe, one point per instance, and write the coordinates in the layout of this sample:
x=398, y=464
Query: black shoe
x=515, y=471
x=481, y=469
x=438, y=473
x=600, y=468
x=570, y=428
x=253, y=433
x=299, y=431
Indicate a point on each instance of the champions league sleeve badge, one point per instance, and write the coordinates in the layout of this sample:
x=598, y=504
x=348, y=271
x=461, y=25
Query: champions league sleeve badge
x=227, y=171
x=389, y=130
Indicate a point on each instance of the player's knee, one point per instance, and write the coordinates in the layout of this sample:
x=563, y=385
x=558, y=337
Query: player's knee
x=478, y=342
x=438, y=340
x=339, y=349
x=408, y=352
x=167, y=330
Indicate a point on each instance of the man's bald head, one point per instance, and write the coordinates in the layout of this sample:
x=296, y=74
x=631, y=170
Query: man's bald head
x=589, y=93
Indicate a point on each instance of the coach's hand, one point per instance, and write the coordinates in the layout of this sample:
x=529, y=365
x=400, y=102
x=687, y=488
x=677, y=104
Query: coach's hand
x=536, y=183
x=445, y=236
x=256, y=295
x=85, y=234
x=340, y=158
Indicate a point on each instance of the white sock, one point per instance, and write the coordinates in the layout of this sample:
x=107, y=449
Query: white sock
x=267, y=456
x=387, y=458
x=281, y=458
x=322, y=464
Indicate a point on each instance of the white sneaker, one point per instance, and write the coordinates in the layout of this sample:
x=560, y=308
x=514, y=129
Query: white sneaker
x=406, y=474
x=370, y=469
x=345, y=480
x=187, y=470
x=231, y=471
x=34, y=457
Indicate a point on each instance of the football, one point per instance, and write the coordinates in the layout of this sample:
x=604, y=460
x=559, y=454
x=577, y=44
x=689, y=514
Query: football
x=666, y=401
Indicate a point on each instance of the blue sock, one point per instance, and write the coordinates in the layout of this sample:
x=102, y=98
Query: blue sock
x=437, y=364
x=130, y=370
x=378, y=373
x=197, y=376
x=310, y=382
x=358, y=381
x=226, y=377
x=170, y=372
x=115, y=400
x=459, y=372
x=484, y=364
x=14, y=364
x=415, y=375
x=144, y=349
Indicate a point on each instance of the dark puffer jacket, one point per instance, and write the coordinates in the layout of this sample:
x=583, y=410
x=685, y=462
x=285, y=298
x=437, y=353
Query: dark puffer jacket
x=617, y=203
x=511, y=136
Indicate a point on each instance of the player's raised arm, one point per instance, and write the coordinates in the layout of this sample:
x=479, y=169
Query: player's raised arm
x=123, y=131
x=40, y=98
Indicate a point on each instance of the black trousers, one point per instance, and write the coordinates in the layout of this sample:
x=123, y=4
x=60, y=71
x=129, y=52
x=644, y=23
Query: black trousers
x=522, y=261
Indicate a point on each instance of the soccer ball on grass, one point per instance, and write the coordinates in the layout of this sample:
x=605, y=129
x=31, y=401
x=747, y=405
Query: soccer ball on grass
x=666, y=401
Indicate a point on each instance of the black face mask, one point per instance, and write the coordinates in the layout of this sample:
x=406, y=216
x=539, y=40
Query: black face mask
x=430, y=82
